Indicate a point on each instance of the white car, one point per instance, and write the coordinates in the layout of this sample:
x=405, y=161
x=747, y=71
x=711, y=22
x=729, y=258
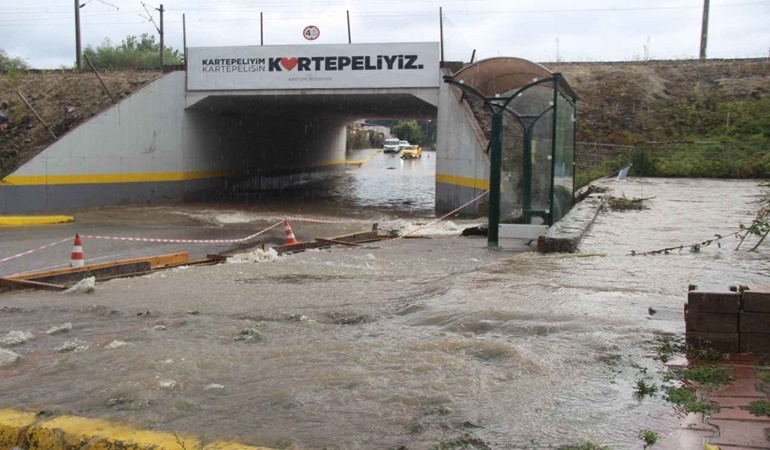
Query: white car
x=402, y=145
x=391, y=146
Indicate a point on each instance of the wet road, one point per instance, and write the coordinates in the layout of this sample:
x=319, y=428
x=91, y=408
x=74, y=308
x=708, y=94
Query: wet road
x=408, y=342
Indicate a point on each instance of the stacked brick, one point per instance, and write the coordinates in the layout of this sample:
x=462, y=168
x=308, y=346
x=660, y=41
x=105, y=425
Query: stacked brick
x=729, y=322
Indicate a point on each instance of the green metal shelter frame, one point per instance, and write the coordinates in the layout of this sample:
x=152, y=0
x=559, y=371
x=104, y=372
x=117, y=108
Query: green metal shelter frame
x=543, y=105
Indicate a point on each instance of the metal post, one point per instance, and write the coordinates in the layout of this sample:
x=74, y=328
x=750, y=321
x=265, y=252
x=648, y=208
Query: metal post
x=348, y=14
x=78, y=61
x=495, y=167
x=704, y=29
x=473, y=56
x=261, y=30
x=162, y=48
x=441, y=31
x=184, y=39
x=554, y=134
x=36, y=114
x=106, y=89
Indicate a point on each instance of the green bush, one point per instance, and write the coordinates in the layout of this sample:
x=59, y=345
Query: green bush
x=133, y=52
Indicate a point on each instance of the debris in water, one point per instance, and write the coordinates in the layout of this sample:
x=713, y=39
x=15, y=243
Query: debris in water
x=8, y=357
x=479, y=230
x=193, y=312
x=117, y=344
x=159, y=327
x=118, y=401
x=213, y=386
x=16, y=338
x=466, y=441
x=75, y=345
x=84, y=286
x=167, y=384
x=651, y=311
x=341, y=319
x=60, y=329
x=249, y=334
x=625, y=204
x=296, y=318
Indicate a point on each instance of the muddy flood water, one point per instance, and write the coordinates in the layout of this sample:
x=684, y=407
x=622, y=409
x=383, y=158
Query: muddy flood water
x=409, y=342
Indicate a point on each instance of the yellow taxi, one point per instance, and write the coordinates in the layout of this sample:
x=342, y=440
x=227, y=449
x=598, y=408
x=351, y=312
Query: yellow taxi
x=411, y=151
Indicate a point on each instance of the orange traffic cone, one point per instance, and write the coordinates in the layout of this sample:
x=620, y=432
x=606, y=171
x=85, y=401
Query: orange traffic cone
x=290, y=239
x=76, y=260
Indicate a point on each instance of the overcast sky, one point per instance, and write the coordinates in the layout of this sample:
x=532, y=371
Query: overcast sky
x=43, y=31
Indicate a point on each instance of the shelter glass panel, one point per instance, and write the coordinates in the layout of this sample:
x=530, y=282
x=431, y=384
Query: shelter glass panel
x=564, y=155
x=541, y=148
x=512, y=176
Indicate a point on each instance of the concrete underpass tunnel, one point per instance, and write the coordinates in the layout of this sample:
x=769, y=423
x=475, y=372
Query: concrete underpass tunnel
x=532, y=112
x=282, y=139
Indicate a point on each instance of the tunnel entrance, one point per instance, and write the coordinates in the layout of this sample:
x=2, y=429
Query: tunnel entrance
x=291, y=150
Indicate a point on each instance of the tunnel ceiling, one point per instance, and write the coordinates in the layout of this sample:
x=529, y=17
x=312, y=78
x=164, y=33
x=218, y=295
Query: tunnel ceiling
x=334, y=107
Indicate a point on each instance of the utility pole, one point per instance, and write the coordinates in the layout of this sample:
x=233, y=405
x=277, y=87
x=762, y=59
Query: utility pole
x=441, y=31
x=704, y=32
x=261, y=30
x=348, y=14
x=184, y=40
x=162, y=48
x=78, y=61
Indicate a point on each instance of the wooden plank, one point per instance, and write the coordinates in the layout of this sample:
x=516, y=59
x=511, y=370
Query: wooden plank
x=335, y=241
x=101, y=273
x=296, y=248
x=28, y=284
x=355, y=237
x=154, y=261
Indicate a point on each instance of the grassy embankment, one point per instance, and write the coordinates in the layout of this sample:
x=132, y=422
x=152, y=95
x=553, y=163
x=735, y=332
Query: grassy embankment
x=713, y=116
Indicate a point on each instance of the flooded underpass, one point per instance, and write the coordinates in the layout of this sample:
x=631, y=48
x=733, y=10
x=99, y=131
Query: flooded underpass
x=409, y=342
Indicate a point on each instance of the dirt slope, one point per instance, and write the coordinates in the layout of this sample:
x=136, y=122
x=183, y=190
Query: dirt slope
x=63, y=99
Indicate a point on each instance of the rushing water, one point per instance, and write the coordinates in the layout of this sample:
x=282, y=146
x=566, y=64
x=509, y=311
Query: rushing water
x=409, y=342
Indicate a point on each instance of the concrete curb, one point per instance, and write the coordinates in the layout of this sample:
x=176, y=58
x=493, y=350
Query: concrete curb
x=33, y=432
x=20, y=221
x=565, y=236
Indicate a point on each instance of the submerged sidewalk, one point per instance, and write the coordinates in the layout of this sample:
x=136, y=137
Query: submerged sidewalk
x=731, y=426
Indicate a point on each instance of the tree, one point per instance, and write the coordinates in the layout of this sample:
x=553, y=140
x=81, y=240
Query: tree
x=409, y=131
x=11, y=64
x=141, y=52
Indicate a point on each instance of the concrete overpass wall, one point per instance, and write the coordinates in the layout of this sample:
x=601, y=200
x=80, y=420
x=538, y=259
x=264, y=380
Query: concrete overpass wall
x=462, y=165
x=150, y=149
x=133, y=152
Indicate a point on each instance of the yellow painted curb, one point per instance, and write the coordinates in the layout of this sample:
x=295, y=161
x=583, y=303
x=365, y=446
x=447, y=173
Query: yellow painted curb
x=18, y=221
x=27, y=430
x=360, y=162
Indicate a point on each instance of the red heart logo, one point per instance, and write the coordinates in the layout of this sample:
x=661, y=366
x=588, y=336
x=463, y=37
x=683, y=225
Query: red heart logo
x=289, y=63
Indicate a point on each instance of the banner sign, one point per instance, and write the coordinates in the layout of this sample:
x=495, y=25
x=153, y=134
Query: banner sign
x=404, y=65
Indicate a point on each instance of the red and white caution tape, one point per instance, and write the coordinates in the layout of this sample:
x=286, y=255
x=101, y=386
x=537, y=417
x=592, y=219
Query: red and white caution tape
x=410, y=232
x=183, y=241
x=429, y=224
x=35, y=250
x=303, y=219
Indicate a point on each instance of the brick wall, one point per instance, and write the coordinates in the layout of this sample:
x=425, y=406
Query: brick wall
x=729, y=322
